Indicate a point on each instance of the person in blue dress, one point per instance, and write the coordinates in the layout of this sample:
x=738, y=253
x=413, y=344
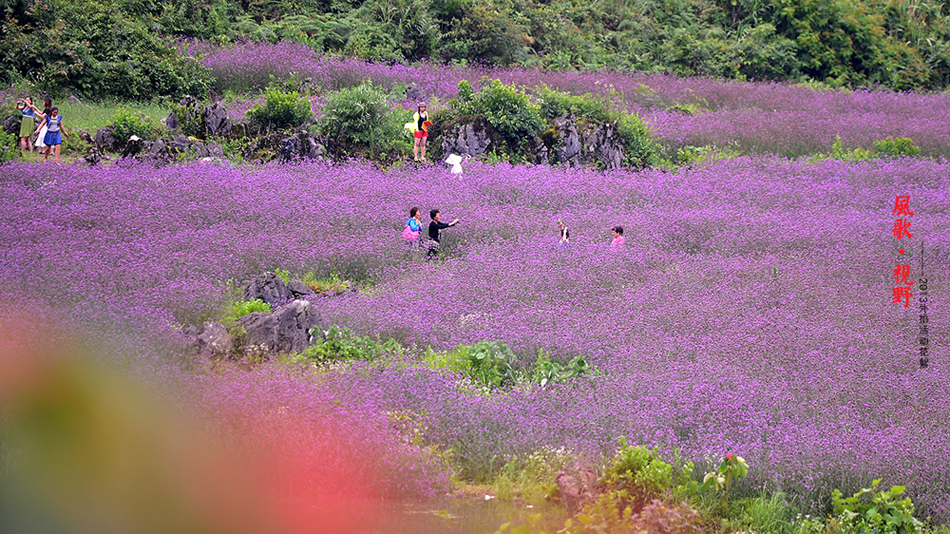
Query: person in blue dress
x=53, y=139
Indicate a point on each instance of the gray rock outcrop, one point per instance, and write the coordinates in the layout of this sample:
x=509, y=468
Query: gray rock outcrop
x=217, y=121
x=604, y=145
x=11, y=124
x=272, y=290
x=302, y=145
x=285, y=330
x=470, y=138
x=106, y=140
x=213, y=337
x=568, y=146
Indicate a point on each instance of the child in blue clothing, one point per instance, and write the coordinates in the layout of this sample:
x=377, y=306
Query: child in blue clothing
x=54, y=124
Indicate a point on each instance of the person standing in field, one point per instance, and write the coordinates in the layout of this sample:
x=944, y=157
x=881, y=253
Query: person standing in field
x=616, y=243
x=565, y=239
x=53, y=139
x=40, y=139
x=413, y=229
x=420, y=131
x=434, y=227
x=27, y=123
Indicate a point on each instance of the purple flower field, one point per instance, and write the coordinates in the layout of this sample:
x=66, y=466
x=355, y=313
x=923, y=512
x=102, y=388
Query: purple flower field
x=750, y=311
x=753, y=117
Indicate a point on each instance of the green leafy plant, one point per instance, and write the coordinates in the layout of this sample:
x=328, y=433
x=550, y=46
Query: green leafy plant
x=554, y=103
x=870, y=511
x=360, y=119
x=896, y=146
x=283, y=275
x=281, y=110
x=337, y=344
x=731, y=468
x=9, y=147
x=640, y=150
x=506, y=108
x=241, y=308
x=889, y=147
x=490, y=363
x=547, y=372
x=128, y=123
x=638, y=471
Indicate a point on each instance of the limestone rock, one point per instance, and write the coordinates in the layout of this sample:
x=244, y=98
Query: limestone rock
x=269, y=288
x=471, y=139
x=286, y=330
x=106, y=140
x=171, y=122
x=84, y=136
x=11, y=124
x=301, y=145
x=210, y=149
x=568, y=148
x=300, y=289
x=415, y=94
x=216, y=120
x=93, y=156
x=605, y=145
x=213, y=337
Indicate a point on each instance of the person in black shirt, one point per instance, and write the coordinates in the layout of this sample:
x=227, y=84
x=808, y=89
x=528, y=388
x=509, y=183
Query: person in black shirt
x=434, y=227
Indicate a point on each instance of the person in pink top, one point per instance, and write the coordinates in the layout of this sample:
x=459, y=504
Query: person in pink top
x=617, y=241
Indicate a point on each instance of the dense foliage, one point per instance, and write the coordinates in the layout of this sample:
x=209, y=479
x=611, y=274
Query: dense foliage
x=360, y=120
x=95, y=48
x=122, y=48
x=280, y=110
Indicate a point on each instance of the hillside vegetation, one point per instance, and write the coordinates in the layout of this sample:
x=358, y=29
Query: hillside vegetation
x=128, y=48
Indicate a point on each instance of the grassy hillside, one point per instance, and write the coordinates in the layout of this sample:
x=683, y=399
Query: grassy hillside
x=127, y=48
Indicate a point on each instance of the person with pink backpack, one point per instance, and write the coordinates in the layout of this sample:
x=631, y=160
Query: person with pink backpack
x=413, y=229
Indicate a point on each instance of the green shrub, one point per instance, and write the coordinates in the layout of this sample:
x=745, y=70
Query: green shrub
x=890, y=147
x=640, y=472
x=640, y=149
x=555, y=104
x=896, y=146
x=128, y=123
x=281, y=110
x=9, y=147
x=360, y=119
x=341, y=344
x=547, y=372
x=327, y=285
x=490, y=363
x=241, y=308
x=506, y=108
x=883, y=512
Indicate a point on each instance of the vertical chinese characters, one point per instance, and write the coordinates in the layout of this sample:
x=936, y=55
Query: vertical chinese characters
x=902, y=281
